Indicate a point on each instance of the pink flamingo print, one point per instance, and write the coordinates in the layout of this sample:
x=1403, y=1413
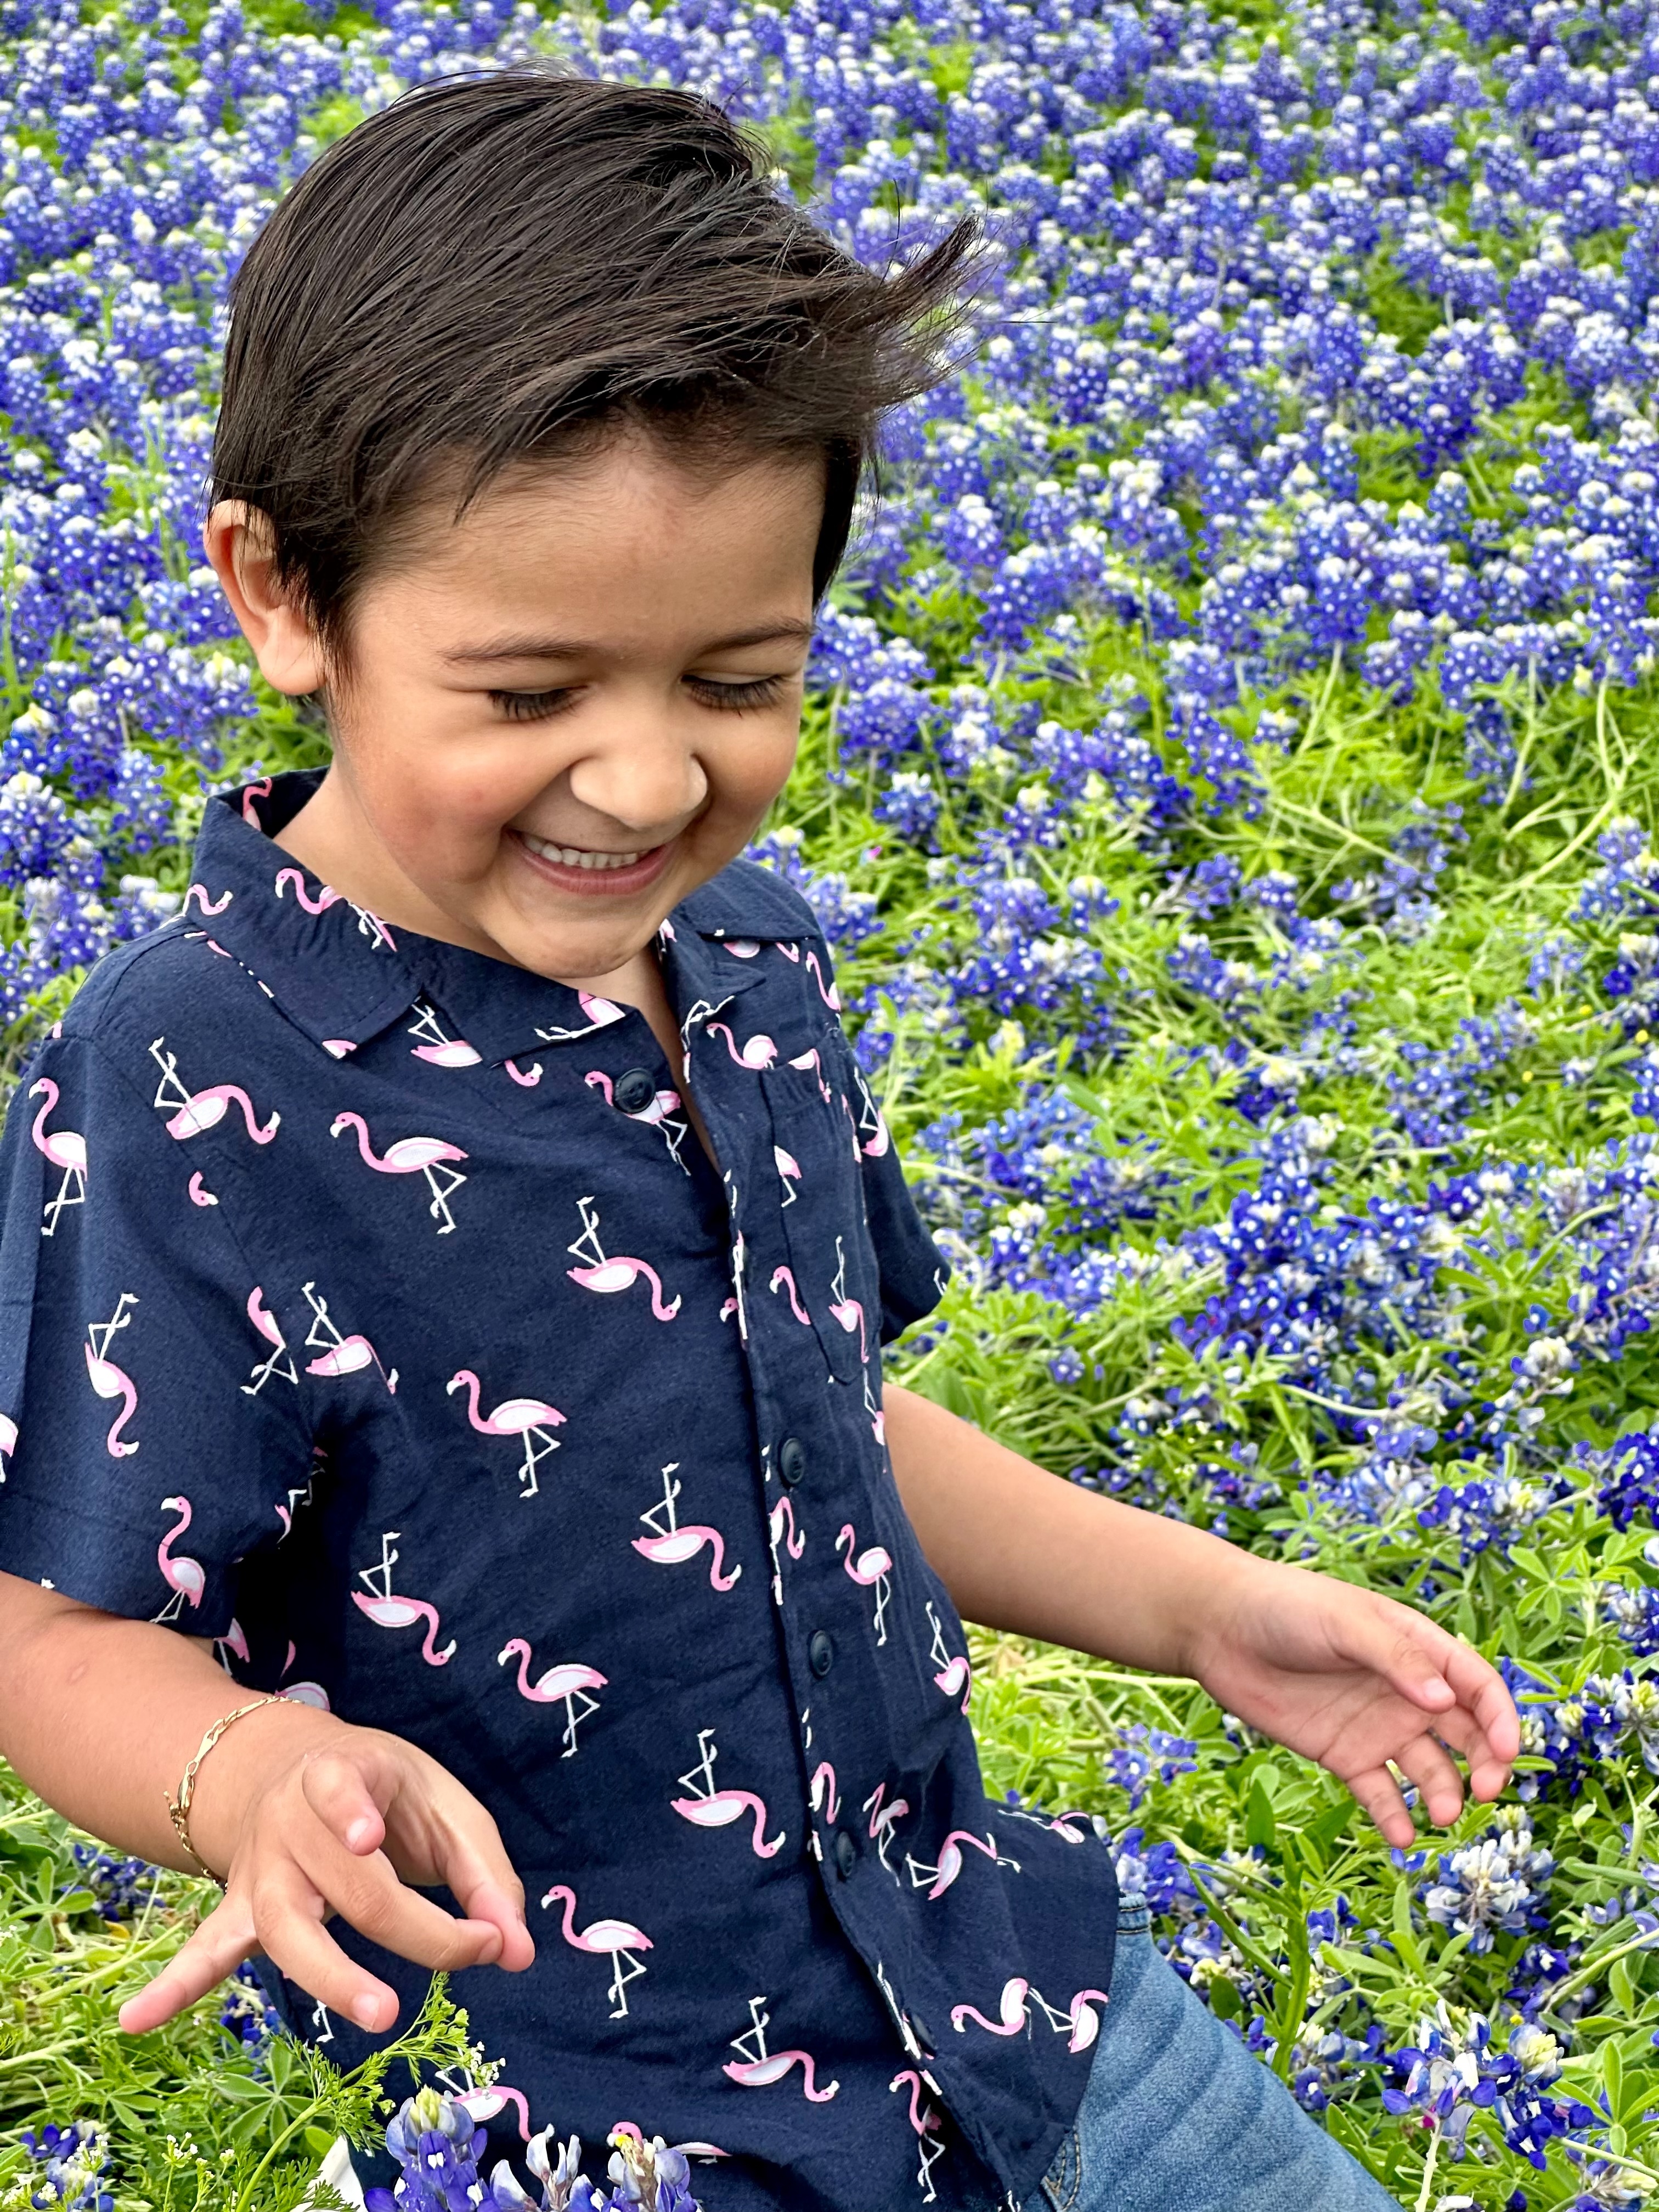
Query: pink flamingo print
x=672, y=1546
x=950, y=1861
x=659, y=1114
x=369, y=924
x=427, y=1156
x=811, y=1060
x=326, y=897
x=822, y=1795
x=925, y=2121
x=1010, y=2010
x=186, y=1577
x=758, y=2069
x=1084, y=2020
x=780, y=1520
x=525, y=1082
x=338, y=1354
x=338, y=1048
x=198, y=892
x=193, y=1111
x=7, y=1441
x=954, y=1673
x=788, y=1169
x=285, y=1513
x=387, y=1611
x=279, y=1360
x=601, y=1013
x=108, y=1379
x=302, y=1693
x=260, y=790
x=607, y=1275
x=529, y=1417
x=784, y=1276
x=619, y=1939
x=883, y=1819
x=872, y=1128
x=438, y=1050
x=61, y=1148
x=199, y=1193
x=567, y=1683
x=708, y=1808
x=826, y=991
x=870, y=1570
x=233, y=1640
x=484, y=2103
x=756, y=1053
x=742, y=948
x=847, y=1311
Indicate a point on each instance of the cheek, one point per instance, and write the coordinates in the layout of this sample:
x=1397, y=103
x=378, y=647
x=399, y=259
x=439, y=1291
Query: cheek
x=453, y=800
x=748, y=771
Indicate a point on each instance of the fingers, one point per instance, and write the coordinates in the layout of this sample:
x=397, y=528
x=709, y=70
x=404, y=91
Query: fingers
x=366, y=1892
x=1377, y=1793
x=320, y=1844
x=1439, y=1786
x=474, y=1864
x=335, y=1788
x=1481, y=1688
x=217, y=1948
x=286, y=1909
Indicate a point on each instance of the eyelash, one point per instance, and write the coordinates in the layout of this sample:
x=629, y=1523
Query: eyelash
x=723, y=698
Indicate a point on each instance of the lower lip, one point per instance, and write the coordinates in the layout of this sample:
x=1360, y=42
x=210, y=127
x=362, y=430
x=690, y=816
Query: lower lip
x=599, y=882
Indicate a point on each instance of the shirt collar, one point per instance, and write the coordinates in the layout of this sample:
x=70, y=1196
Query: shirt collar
x=342, y=975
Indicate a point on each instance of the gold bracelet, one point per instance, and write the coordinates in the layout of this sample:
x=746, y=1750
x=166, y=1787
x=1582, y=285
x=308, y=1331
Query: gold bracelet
x=179, y=1807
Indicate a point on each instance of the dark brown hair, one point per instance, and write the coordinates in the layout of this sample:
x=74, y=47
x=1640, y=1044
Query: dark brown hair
x=510, y=267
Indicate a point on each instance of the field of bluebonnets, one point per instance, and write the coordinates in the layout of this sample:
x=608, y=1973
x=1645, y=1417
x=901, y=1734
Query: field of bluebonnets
x=1230, y=787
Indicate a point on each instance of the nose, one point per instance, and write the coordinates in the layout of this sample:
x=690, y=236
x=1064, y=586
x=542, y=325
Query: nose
x=642, y=774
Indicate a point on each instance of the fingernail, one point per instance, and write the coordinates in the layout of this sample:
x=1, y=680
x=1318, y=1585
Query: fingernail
x=365, y=2011
x=356, y=1834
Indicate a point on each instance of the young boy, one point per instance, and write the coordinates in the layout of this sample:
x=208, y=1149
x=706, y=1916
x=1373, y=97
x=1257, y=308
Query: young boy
x=486, y=1243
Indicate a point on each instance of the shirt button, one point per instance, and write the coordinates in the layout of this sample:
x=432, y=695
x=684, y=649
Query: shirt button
x=821, y=1652
x=635, y=1089
x=792, y=1460
x=846, y=1854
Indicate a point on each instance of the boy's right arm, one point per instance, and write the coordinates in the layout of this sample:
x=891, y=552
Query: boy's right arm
x=303, y=1813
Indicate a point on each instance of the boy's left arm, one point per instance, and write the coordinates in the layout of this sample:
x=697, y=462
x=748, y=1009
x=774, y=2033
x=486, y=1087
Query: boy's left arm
x=1340, y=1674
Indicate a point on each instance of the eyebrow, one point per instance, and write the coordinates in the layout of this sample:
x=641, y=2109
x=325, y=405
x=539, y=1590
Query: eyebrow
x=565, y=648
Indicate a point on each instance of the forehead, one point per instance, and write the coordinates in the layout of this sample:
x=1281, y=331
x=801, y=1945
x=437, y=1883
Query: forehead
x=628, y=528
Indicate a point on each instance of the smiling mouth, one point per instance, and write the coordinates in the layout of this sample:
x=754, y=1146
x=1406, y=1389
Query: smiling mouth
x=574, y=856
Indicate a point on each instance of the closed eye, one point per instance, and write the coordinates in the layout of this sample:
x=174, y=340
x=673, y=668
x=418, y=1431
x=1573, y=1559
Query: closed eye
x=735, y=698
x=723, y=698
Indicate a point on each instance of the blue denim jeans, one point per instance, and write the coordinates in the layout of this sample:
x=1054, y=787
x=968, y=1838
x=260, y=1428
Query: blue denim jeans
x=1180, y=2116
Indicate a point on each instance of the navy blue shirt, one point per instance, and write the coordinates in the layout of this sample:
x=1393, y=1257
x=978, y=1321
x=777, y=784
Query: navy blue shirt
x=368, y=1305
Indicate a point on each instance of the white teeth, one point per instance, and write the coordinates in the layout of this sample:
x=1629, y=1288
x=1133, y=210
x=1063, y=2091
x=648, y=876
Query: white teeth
x=572, y=856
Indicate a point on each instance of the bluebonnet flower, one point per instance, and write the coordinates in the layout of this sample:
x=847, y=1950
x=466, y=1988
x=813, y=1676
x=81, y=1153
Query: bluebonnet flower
x=246, y=2012
x=437, y=2146
x=75, y=2163
x=119, y=1887
x=1143, y=1755
x=1500, y=1882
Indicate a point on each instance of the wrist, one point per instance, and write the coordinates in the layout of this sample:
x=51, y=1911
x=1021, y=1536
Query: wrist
x=250, y=1757
x=1231, y=1576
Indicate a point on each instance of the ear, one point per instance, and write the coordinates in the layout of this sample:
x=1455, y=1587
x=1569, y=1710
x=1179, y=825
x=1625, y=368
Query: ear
x=238, y=541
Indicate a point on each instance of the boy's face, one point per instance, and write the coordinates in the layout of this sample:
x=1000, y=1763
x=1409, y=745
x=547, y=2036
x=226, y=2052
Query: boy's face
x=568, y=710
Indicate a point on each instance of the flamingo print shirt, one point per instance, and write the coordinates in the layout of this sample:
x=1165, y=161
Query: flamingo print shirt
x=367, y=1305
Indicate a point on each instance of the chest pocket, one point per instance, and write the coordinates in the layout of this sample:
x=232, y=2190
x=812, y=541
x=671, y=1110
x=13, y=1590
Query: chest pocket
x=821, y=1194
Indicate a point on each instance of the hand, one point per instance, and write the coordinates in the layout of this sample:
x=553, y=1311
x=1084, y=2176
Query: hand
x=1356, y=1681
x=341, y=1825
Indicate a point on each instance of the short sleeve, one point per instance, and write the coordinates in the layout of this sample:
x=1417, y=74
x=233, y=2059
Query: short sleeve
x=141, y=1454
